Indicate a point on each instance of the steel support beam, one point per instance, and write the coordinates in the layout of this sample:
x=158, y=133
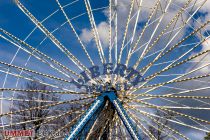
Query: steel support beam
x=85, y=118
x=99, y=103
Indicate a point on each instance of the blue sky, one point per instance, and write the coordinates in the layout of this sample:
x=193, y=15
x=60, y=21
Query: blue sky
x=13, y=20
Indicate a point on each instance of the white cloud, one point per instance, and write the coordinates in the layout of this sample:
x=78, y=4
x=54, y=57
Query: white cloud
x=205, y=7
x=103, y=30
x=86, y=35
x=123, y=8
x=122, y=16
x=196, y=135
x=203, y=60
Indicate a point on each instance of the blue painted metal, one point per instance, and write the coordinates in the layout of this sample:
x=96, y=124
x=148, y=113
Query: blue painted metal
x=90, y=123
x=85, y=118
x=125, y=119
x=96, y=108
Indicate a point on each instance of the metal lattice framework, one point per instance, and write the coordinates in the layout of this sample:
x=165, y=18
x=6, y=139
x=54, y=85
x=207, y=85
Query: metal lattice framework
x=166, y=41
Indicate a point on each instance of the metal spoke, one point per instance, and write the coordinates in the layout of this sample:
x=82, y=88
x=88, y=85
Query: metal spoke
x=172, y=66
x=42, y=55
x=126, y=31
x=141, y=126
x=163, y=42
x=116, y=32
x=73, y=29
x=162, y=53
x=44, y=91
x=110, y=31
x=51, y=37
x=147, y=48
x=45, y=106
x=156, y=122
x=177, y=122
x=143, y=30
x=95, y=32
x=46, y=120
x=175, y=112
x=154, y=119
x=35, y=72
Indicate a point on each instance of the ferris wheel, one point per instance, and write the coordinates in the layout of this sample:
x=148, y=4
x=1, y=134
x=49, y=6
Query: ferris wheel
x=111, y=69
